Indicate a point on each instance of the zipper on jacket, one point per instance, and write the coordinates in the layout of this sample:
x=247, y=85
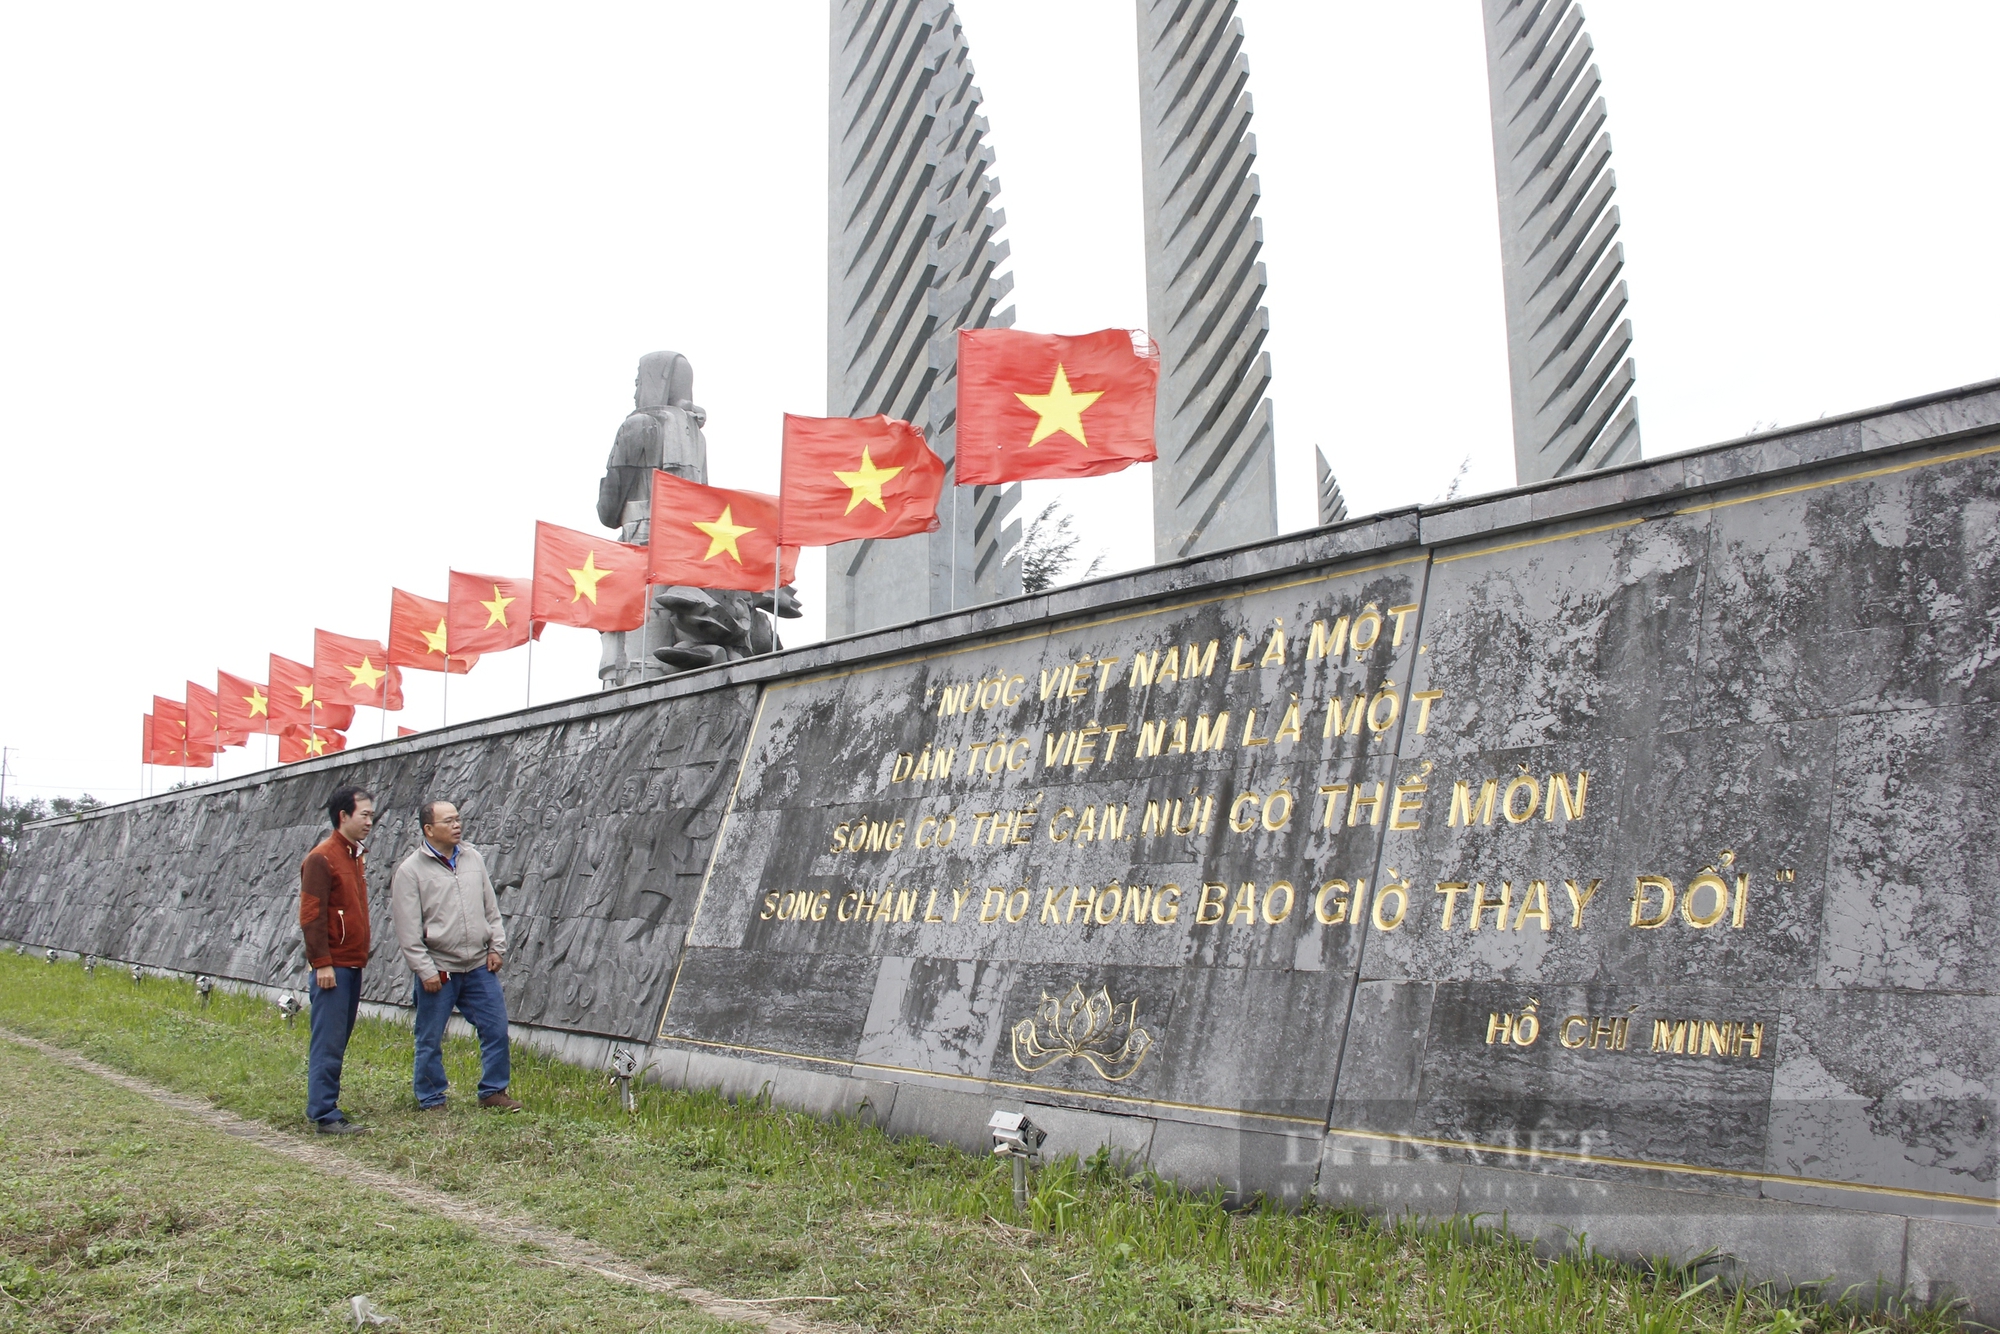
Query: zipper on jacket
x=341, y=913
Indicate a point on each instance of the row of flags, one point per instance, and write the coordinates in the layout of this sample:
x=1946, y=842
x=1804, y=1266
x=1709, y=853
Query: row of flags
x=1029, y=406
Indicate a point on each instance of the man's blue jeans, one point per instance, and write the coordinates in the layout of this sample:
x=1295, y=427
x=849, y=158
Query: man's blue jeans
x=333, y=1012
x=476, y=995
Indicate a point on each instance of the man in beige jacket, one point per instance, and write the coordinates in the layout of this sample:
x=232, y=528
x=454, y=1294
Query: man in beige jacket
x=448, y=927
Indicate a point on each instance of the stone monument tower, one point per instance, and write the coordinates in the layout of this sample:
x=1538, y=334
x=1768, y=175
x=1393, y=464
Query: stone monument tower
x=911, y=259
x=1568, y=341
x=1215, y=484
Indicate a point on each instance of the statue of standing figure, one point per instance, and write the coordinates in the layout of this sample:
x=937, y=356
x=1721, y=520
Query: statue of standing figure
x=685, y=627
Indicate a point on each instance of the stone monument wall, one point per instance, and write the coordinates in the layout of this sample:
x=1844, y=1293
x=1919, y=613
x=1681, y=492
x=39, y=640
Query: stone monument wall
x=1611, y=853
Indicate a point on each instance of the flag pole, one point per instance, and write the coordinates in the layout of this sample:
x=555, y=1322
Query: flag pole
x=951, y=597
x=778, y=549
x=444, y=706
x=529, y=701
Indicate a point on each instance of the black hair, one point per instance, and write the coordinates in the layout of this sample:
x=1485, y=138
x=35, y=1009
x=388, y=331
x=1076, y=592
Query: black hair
x=343, y=800
x=428, y=810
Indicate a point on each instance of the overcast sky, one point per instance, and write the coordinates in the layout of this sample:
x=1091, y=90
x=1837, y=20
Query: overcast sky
x=297, y=305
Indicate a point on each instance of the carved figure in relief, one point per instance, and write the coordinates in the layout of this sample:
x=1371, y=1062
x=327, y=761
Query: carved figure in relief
x=686, y=627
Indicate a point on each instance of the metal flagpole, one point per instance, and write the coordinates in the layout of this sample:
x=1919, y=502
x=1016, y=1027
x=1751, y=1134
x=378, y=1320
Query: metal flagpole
x=529, y=702
x=444, y=708
x=778, y=549
x=951, y=601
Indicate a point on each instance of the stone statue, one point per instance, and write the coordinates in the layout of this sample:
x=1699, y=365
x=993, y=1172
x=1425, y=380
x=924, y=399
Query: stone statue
x=686, y=627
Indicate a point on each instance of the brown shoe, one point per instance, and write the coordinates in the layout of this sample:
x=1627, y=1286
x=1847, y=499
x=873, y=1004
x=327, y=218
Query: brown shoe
x=500, y=1102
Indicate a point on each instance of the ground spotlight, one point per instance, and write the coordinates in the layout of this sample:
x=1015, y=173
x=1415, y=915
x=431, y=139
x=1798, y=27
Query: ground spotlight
x=1016, y=1137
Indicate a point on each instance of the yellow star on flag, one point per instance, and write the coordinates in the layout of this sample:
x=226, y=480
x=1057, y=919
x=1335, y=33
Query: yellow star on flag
x=305, y=695
x=723, y=533
x=866, y=484
x=260, y=706
x=496, y=610
x=435, y=638
x=586, y=578
x=365, y=676
x=315, y=743
x=1061, y=409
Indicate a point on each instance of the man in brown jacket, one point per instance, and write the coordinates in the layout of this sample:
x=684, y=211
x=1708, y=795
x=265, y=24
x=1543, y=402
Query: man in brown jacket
x=333, y=913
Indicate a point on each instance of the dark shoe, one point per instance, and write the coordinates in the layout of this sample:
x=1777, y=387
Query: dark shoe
x=499, y=1102
x=430, y=1106
x=341, y=1127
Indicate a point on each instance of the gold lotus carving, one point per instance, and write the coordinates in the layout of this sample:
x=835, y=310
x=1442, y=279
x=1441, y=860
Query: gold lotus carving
x=1092, y=1028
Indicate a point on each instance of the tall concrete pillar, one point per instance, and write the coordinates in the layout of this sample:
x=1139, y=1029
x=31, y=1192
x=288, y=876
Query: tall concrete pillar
x=1568, y=341
x=1215, y=484
x=911, y=259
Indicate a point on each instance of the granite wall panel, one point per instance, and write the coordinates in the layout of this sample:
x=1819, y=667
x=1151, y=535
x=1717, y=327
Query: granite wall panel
x=1612, y=852
x=597, y=824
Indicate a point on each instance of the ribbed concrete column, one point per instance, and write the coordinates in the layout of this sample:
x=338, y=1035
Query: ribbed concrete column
x=1216, y=482
x=911, y=259
x=1568, y=341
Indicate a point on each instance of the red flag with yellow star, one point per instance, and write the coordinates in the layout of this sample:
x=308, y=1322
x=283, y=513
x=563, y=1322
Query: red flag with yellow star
x=347, y=670
x=1050, y=405
x=242, y=705
x=300, y=742
x=170, y=737
x=846, y=478
x=711, y=537
x=205, y=727
x=293, y=699
x=417, y=635
x=586, y=581
x=164, y=742
x=488, y=613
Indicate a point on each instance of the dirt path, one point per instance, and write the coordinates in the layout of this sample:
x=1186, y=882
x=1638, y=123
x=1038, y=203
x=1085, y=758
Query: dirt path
x=555, y=1248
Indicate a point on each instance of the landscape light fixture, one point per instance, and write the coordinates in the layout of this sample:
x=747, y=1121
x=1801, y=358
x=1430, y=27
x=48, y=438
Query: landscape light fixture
x=202, y=986
x=52, y=956
x=624, y=1066
x=138, y=973
x=90, y=965
x=288, y=1005
x=1016, y=1137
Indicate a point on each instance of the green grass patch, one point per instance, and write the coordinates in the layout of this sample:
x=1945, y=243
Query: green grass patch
x=115, y=1214
x=756, y=1202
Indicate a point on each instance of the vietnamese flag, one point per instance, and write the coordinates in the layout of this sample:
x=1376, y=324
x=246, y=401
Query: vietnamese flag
x=243, y=705
x=710, y=537
x=1049, y=405
x=164, y=744
x=205, y=720
x=347, y=670
x=591, y=582
x=417, y=635
x=293, y=699
x=170, y=737
x=300, y=742
x=487, y=613
x=846, y=478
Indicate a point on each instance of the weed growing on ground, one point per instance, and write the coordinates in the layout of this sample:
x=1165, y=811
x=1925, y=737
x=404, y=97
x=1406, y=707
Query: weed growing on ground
x=757, y=1202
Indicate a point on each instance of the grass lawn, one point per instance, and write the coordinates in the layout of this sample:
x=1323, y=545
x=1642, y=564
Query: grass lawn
x=115, y=1214
x=754, y=1202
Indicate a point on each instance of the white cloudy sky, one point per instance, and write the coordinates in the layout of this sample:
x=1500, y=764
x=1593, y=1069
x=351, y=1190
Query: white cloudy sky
x=297, y=304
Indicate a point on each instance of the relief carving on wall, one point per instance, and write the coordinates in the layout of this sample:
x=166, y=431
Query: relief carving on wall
x=1093, y=1028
